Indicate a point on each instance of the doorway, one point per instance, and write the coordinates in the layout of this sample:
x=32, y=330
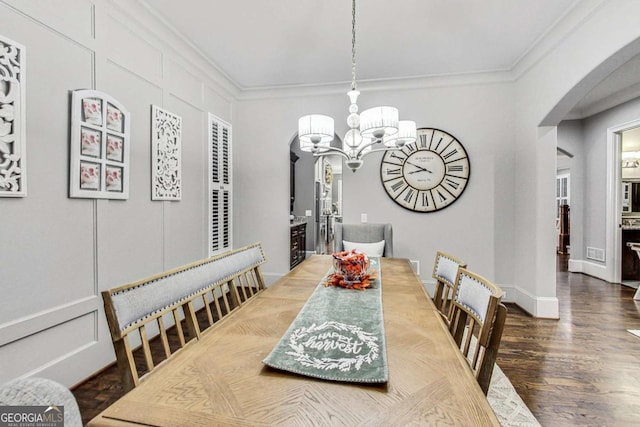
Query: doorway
x=315, y=200
x=630, y=206
x=563, y=200
x=328, y=196
x=620, y=225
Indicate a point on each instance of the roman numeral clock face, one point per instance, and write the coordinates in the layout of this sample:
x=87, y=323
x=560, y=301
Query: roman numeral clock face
x=427, y=175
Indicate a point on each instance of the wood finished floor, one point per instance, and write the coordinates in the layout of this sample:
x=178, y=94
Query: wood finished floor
x=581, y=370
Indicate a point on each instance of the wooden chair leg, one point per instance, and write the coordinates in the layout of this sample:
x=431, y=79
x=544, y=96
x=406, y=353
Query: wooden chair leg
x=491, y=353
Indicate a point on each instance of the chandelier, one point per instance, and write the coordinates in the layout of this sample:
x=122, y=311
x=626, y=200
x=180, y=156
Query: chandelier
x=377, y=125
x=630, y=159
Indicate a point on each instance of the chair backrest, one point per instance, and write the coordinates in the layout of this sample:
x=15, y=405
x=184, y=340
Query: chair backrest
x=194, y=297
x=364, y=233
x=33, y=391
x=445, y=270
x=477, y=323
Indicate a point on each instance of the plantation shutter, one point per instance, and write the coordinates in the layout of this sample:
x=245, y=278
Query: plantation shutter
x=220, y=186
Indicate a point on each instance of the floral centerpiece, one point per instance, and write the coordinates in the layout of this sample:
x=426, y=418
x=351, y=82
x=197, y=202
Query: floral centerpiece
x=351, y=270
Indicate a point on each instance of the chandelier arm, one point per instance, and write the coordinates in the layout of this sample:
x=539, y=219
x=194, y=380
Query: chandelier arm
x=359, y=154
x=377, y=150
x=336, y=150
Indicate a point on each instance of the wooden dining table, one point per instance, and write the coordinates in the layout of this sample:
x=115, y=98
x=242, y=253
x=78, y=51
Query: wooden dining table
x=221, y=380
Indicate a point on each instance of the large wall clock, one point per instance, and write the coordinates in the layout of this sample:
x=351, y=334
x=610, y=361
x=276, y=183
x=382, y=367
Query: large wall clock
x=427, y=175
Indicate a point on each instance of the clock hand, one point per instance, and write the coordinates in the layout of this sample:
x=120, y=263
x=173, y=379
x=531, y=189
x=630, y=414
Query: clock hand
x=419, y=167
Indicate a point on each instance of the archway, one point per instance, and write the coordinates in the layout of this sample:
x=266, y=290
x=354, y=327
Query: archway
x=607, y=261
x=315, y=195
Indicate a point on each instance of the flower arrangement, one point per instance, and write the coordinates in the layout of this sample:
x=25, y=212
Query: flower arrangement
x=351, y=270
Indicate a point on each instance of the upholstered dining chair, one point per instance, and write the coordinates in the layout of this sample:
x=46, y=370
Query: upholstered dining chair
x=41, y=392
x=372, y=239
x=445, y=270
x=477, y=323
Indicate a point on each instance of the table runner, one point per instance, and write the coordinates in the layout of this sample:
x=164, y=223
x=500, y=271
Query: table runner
x=338, y=335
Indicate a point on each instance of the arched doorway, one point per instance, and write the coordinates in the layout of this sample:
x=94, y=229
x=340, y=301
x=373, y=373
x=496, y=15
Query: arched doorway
x=592, y=255
x=315, y=199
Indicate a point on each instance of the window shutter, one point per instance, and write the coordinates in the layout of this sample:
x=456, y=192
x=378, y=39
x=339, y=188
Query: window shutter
x=220, y=186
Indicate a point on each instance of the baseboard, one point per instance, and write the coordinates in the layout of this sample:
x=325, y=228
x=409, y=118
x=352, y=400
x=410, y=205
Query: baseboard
x=540, y=307
x=596, y=270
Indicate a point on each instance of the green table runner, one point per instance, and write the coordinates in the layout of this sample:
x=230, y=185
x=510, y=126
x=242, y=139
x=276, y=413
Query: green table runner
x=338, y=335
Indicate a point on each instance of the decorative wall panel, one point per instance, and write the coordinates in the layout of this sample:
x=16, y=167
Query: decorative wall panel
x=166, y=149
x=12, y=119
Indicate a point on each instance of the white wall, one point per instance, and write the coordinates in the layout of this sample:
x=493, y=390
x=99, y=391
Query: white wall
x=58, y=253
x=570, y=138
x=477, y=227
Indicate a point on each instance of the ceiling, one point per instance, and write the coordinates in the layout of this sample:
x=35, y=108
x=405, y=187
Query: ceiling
x=260, y=44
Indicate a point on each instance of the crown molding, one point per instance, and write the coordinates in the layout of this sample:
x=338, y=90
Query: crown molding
x=176, y=43
x=397, y=84
x=142, y=12
x=562, y=28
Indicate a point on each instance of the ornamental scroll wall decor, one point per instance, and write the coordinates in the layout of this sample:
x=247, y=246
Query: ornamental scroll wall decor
x=99, y=146
x=166, y=148
x=13, y=171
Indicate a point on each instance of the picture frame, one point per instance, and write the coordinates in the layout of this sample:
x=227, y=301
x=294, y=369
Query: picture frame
x=166, y=149
x=99, y=146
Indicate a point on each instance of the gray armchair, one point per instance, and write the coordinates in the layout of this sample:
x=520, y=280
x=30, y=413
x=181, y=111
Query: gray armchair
x=41, y=392
x=364, y=233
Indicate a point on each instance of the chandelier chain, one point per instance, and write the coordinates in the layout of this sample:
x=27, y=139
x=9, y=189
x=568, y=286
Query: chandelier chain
x=377, y=125
x=353, y=45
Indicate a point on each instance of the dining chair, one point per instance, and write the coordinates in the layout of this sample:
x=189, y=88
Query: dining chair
x=445, y=269
x=373, y=239
x=477, y=323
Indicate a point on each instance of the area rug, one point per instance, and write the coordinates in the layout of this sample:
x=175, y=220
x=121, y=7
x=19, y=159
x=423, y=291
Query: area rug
x=338, y=335
x=507, y=404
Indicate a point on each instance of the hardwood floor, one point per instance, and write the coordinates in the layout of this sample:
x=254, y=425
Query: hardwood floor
x=581, y=370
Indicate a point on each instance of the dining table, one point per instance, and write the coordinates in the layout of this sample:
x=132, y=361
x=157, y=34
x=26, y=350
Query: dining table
x=221, y=380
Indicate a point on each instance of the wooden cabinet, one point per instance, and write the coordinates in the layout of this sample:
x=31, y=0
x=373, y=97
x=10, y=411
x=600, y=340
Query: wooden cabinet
x=630, y=262
x=298, y=243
